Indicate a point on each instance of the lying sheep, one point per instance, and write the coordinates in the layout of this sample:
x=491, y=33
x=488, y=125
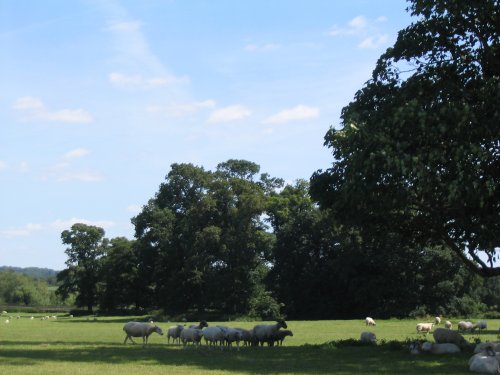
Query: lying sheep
x=437, y=348
x=280, y=336
x=262, y=333
x=137, y=329
x=484, y=346
x=465, y=326
x=201, y=325
x=437, y=320
x=487, y=361
x=444, y=336
x=174, y=332
x=191, y=335
x=370, y=322
x=448, y=325
x=368, y=337
x=424, y=327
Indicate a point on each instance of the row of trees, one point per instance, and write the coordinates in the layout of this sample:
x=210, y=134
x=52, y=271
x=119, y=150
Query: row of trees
x=406, y=220
x=229, y=242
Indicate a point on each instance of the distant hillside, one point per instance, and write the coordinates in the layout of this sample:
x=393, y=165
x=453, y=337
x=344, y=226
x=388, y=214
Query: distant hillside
x=39, y=273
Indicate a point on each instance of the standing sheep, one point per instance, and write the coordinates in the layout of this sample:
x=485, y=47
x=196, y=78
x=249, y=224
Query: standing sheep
x=448, y=325
x=465, y=326
x=265, y=332
x=280, y=336
x=437, y=320
x=213, y=336
x=246, y=336
x=370, y=322
x=191, y=335
x=137, y=329
x=424, y=327
x=174, y=332
x=482, y=324
x=443, y=336
x=232, y=335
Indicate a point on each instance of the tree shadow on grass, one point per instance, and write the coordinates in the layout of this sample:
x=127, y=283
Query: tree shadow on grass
x=307, y=359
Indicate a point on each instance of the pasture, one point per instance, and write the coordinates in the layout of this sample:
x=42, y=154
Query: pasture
x=84, y=346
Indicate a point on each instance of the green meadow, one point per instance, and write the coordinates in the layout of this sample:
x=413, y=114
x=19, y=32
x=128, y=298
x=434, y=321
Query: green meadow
x=84, y=346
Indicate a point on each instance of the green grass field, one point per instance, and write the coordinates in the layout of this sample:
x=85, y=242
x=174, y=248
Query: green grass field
x=79, y=346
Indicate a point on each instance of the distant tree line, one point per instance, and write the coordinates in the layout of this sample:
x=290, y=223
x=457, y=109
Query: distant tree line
x=233, y=241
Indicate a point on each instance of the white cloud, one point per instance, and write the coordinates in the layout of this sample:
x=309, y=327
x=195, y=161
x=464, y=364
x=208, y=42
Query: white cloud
x=262, y=48
x=230, y=113
x=57, y=225
x=138, y=81
x=36, y=110
x=3, y=165
x=181, y=110
x=300, y=112
x=76, y=153
x=373, y=42
x=367, y=31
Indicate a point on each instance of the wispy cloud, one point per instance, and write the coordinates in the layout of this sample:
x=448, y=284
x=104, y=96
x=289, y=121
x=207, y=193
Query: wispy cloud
x=35, y=109
x=181, y=109
x=367, y=30
x=138, y=81
x=261, y=47
x=3, y=165
x=230, y=113
x=57, y=225
x=300, y=112
x=66, y=172
x=76, y=153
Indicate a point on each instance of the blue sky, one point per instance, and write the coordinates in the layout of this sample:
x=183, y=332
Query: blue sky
x=98, y=98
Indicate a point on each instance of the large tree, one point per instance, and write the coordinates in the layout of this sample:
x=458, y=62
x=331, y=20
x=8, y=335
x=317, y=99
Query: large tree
x=419, y=148
x=86, y=247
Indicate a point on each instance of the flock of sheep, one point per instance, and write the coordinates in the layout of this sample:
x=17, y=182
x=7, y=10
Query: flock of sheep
x=486, y=358
x=215, y=336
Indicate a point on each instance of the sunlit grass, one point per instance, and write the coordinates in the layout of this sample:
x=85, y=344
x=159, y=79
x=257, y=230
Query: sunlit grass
x=85, y=346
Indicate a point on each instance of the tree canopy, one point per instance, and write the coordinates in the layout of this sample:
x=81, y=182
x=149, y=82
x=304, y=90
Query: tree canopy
x=418, y=151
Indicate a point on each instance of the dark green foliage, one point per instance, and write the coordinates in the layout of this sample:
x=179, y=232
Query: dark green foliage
x=418, y=152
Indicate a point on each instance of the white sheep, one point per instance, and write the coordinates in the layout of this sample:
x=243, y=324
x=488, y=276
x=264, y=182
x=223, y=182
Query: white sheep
x=201, y=325
x=191, y=335
x=262, y=333
x=232, y=335
x=368, y=337
x=437, y=348
x=437, y=320
x=280, y=336
x=445, y=336
x=246, y=336
x=4, y=312
x=482, y=324
x=370, y=321
x=174, y=332
x=213, y=336
x=137, y=329
x=487, y=361
x=465, y=326
x=424, y=327
x=448, y=325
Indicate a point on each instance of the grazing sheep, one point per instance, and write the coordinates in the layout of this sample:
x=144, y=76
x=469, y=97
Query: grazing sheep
x=137, y=329
x=437, y=348
x=448, y=325
x=483, y=346
x=370, y=322
x=445, y=336
x=191, y=335
x=368, y=337
x=214, y=335
x=202, y=324
x=437, y=320
x=246, y=336
x=487, y=361
x=280, y=336
x=174, y=332
x=482, y=324
x=424, y=327
x=262, y=333
x=465, y=326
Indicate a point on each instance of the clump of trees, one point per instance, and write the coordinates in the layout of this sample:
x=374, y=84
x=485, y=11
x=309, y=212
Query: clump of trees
x=23, y=290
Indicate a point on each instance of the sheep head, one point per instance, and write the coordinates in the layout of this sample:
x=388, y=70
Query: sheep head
x=281, y=323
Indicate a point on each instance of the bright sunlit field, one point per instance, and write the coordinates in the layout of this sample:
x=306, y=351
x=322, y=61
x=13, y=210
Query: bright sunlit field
x=84, y=346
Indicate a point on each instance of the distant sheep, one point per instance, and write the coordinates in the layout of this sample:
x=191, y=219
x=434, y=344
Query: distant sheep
x=444, y=336
x=448, y=325
x=437, y=320
x=370, y=322
x=465, y=326
x=191, y=335
x=482, y=324
x=174, y=332
x=368, y=337
x=4, y=312
x=263, y=333
x=424, y=327
x=280, y=336
x=137, y=329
